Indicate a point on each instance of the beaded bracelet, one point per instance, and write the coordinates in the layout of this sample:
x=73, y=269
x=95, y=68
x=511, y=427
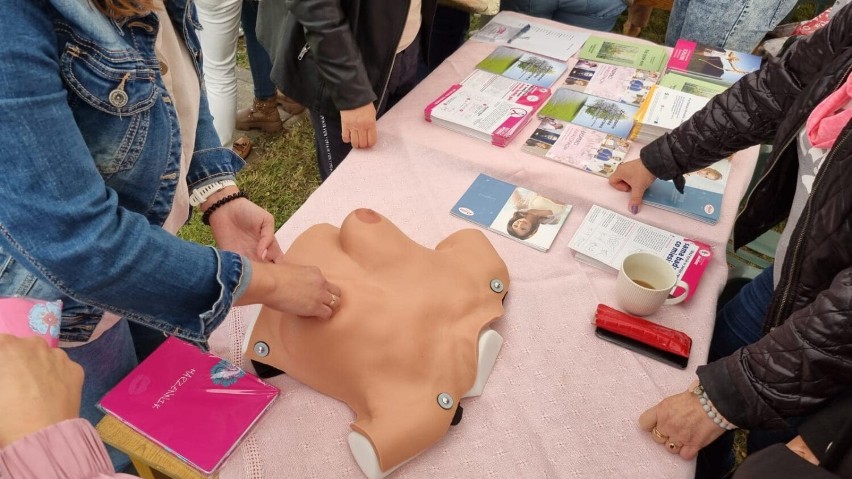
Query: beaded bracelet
x=205, y=218
x=711, y=410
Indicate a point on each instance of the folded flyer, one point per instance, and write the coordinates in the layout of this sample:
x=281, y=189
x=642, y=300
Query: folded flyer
x=487, y=106
x=605, y=238
x=512, y=211
x=522, y=66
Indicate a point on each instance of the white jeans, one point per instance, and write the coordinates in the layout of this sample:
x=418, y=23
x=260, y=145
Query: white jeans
x=220, y=20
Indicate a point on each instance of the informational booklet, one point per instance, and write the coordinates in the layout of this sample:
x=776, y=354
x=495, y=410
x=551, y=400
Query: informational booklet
x=487, y=106
x=613, y=82
x=617, y=51
x=553, y=42
x=526, y=67
x=607, y=116
x=193, y=404
x=702, y=195
x=715, y=64
x=512, y=211
x=573, y=145
x=664, y=110
x=691, y=85
x=605, y=238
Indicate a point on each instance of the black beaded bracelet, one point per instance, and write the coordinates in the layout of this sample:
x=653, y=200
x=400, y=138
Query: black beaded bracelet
x=205, y=218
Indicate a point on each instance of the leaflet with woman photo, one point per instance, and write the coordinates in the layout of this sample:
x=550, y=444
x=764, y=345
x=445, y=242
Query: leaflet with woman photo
x=512, y=211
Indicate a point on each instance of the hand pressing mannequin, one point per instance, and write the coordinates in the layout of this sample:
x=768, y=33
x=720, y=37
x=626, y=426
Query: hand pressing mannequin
x=409, y=339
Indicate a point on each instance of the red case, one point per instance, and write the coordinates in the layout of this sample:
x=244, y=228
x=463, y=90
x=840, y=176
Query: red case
x=653, y=340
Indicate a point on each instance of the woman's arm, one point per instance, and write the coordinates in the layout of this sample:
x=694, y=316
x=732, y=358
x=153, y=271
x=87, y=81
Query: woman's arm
x=60, y=220
x=793, y=369
x=750, y=111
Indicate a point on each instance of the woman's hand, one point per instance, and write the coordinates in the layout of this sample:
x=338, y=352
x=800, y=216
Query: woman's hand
x=292, y=288
x=40, y=387
x=632, y=176
x=680, y=424
x=245, y=228
x=358, y=126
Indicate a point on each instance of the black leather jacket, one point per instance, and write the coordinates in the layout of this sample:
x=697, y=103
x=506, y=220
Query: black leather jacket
x=333, y=55
x=806, y=356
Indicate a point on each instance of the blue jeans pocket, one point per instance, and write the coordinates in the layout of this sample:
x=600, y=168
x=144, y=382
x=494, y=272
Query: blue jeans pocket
x=112, y=94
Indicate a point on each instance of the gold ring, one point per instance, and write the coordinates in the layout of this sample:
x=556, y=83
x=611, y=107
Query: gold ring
x=672, y=445
x=658, y=436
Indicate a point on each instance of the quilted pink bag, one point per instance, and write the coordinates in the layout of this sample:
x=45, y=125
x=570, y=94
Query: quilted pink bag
x=24, y=317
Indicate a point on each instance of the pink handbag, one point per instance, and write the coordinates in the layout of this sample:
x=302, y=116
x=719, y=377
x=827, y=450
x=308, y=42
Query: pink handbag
x=23, y=317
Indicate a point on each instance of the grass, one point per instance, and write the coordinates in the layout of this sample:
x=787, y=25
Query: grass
x=280, y=175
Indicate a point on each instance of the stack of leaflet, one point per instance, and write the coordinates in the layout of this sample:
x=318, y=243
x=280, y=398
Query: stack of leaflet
x=694, y=86
x=694, y=73
x=587, y=122
x=663, y=110
x=487, y=106
x=712, y=64
x=583, y=131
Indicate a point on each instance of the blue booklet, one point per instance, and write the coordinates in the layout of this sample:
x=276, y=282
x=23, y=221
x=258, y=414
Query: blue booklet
x=512, y=211
x=702, y=195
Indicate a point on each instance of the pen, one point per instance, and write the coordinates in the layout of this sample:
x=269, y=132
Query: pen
x=523, y=30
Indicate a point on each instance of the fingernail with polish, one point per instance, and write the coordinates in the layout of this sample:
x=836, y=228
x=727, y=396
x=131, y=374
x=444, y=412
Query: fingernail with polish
x=634, y=209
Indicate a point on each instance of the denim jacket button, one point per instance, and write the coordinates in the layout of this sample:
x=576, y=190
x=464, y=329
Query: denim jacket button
x=117, y=98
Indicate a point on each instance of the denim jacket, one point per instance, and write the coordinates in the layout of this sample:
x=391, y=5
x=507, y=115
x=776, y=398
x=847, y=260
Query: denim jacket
x=90, y=148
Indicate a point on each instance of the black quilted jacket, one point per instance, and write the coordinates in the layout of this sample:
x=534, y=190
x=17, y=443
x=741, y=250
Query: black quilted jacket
x=806, y=356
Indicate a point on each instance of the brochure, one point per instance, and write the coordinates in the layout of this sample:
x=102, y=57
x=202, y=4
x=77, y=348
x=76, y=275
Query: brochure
x=522, y=66
x=605, y=238
x=702, y=195
x=663, y=111
x=624, y=52
x=553, y=42
x=606, y=116
x=487, y=106
x=512, y=211
x=715, y=64
x=691, y=85
x=572, y=145
x=613, y=82
x=194, y=404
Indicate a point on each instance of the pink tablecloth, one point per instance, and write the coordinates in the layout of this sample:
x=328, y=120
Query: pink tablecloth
x=560, y=402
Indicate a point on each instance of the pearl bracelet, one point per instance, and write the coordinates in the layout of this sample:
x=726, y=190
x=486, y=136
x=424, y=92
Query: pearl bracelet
x=711, y=410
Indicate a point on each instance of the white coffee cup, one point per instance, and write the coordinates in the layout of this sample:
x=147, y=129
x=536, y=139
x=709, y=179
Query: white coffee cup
x=644, y=284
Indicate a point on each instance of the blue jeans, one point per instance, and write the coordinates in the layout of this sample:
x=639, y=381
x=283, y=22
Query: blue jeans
x=737, y=25
x=592, y=14
x=259, y=62
x=740, y=323
x=105, y=361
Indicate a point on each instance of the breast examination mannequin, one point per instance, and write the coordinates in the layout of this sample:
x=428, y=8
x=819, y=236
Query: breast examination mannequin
x=409, y=339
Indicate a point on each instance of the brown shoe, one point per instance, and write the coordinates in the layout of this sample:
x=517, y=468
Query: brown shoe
x=288, y=104
x=262, y=115
x=242, y=147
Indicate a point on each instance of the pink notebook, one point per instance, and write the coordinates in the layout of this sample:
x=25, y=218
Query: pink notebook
x=193, y=404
